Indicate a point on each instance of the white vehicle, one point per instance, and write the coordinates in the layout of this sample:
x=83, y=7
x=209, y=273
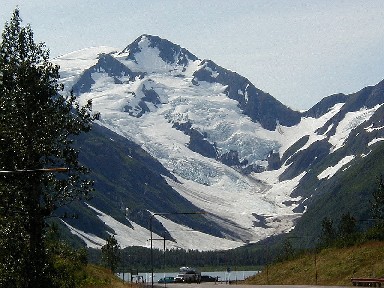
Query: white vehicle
x=188, y=275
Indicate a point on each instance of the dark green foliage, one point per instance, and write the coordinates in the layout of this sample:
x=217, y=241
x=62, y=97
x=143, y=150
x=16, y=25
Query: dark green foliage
x=139, y=258
x=288, y=251
x=36, y=129
x=347, y=230
x=376, y=231
x=328, y=232
x=111, y=253
x=349, y=190
x=377, y=203
x=66, y=264
x=345, y=235
x=13, y=252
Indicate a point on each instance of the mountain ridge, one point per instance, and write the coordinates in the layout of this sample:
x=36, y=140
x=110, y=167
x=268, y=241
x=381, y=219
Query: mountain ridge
x=223, y=144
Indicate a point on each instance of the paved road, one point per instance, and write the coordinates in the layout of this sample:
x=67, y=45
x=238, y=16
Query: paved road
x=223, y=285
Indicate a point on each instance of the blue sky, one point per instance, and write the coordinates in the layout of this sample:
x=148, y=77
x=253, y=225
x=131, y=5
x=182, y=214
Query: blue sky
x=298, y=51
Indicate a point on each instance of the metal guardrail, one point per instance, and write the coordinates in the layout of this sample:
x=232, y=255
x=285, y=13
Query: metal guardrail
x=368, y=282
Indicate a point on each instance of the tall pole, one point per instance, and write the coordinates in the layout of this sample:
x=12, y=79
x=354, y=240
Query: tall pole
x=165, y=281
x=150, y=228
x=316, y=276
x=267, y=262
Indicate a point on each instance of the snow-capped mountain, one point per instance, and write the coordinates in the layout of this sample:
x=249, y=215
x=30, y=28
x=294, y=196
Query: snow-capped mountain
x=181, y=134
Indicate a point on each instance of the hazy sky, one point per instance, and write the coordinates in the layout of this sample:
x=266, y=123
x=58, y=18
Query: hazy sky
x=298, y=51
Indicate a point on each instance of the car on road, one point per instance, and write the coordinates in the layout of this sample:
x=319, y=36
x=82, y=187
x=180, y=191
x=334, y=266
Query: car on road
x=166, y=280
x=207, y=278
x=179, y=278
x=188, y=275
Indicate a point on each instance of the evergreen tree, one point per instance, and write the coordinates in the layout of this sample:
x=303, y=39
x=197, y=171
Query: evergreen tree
x=377, y=204
x=37, y=125
x=377, y=211
x=347, y=229
x=111, y=253
x=328, y=232
x=288, y=251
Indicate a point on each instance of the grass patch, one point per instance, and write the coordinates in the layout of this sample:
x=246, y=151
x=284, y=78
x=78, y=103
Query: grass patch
x=103, y=278
x=333, y=266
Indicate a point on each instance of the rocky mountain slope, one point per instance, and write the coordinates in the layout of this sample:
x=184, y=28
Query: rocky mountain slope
x=181, y=134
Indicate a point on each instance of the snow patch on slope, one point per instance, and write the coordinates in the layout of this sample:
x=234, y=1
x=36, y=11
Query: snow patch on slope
x=192, y=239
x=374, y=141
x=139, y=236
x=90, y=240
x=306, y=127
x=331, y=171
x=350, y=122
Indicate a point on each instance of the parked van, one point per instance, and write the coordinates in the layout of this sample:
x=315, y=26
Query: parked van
x=188, y=275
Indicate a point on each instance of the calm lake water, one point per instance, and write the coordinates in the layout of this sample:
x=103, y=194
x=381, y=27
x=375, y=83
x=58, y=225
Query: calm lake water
x=223, y=275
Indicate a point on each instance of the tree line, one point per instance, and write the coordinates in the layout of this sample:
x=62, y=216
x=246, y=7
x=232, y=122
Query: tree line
x=139, y=258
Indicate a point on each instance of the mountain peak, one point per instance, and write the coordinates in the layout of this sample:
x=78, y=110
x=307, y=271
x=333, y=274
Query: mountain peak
x=169, y=52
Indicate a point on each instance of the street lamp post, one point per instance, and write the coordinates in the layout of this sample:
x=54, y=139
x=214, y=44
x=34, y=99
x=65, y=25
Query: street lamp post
x=315, y=252
x=43, y=170
x=267, y=252
x=162, y=239
x=150, y=229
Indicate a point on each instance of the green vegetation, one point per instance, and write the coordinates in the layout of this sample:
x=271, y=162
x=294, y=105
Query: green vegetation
x=139, y=258
x=111, y=253
x=70, y=267
x=350, y=191
x=341, y=253
x=333, y=266
x=99, y=277
x=40, y=167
